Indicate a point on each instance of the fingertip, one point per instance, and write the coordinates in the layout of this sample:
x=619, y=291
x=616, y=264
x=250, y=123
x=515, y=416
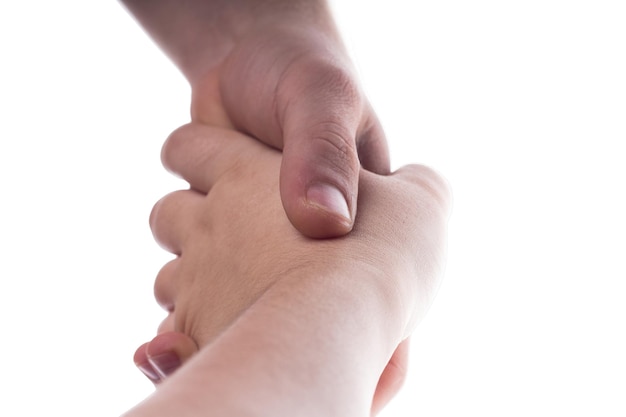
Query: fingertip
x=143, y=364
x=319, y=184
x=329, y=199
x=316, y=223
x=140, y=354
x=168, y=351
x=165, y=363
x=322, y=212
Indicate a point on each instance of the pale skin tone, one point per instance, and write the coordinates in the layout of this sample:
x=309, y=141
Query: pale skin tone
x=287, y=325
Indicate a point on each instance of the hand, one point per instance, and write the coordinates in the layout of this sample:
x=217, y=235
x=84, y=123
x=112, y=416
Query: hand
x=235, y=234
x=241, y=216
x=300, y=95
x=278, y=71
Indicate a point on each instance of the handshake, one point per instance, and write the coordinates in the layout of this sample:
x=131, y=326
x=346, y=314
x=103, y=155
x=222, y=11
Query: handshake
x=283, y=299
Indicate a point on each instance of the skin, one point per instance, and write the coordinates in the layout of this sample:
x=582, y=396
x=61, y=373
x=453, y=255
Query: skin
x=278, y=70
x=287, y=325
x=300, y=95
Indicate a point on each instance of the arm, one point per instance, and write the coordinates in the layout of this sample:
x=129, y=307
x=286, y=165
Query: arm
x=307, y=349
x=197, y=35
x=277, y=69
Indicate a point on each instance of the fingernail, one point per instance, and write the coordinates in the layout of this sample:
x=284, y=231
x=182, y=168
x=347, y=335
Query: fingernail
x=165, y=364
x=329, y=198
x=149, y=371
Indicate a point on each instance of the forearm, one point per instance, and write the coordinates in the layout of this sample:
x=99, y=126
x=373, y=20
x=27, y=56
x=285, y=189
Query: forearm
x=198, y=34
x=310, y=346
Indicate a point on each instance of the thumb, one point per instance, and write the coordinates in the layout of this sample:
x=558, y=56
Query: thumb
x=392, y=378
x=297, y=93
x=320, y=168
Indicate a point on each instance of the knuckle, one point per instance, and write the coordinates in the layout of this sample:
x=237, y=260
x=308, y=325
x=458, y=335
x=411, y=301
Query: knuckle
x=162, y=212
x=336, y=136
x=167, y=325
x=155, y=214
x=164, y=285
x=337, y=84
x=434, y=183
x=173, y=145
x=339, y=80
x=323, y=78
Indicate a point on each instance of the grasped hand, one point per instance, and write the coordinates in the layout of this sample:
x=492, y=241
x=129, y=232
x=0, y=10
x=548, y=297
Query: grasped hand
x=234, y=243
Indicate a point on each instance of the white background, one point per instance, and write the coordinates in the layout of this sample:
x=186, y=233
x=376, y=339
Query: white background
x=521, y=105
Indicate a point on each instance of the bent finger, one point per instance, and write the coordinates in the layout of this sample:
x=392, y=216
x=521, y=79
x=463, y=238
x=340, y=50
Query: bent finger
x=200, y=154
x=143, y=364
x=171, y=219
x=165, y=285
x=168, y=324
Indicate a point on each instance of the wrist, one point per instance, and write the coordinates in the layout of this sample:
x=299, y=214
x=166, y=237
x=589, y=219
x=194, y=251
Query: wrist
x=312, y=345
